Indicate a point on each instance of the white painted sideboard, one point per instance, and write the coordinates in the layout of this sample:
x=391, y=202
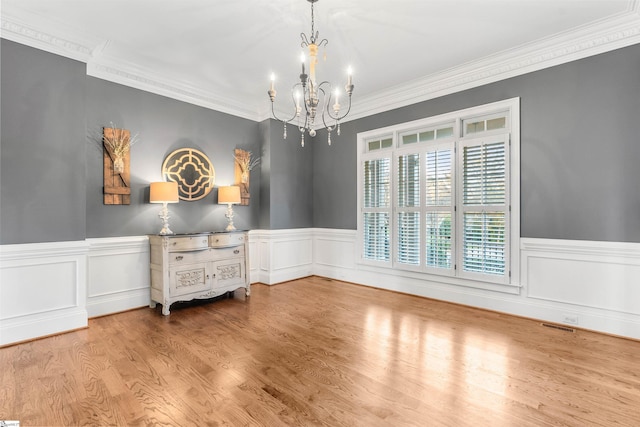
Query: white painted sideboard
x=197, y=266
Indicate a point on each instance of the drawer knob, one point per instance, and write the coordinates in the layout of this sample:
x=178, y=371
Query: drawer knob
x=179, y=258
x=237, y=251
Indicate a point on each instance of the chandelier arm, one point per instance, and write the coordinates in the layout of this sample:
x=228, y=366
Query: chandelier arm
x=305, y=40
x=327, y=101
x=306, y=124
x=340, y=117
x=273, y=112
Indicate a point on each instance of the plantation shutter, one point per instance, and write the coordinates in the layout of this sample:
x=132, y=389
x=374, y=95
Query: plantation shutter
x=439, y=205
x=484, y=206
x=376, y=209
x=408, y=209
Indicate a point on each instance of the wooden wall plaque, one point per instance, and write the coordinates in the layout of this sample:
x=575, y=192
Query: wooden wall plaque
x=242, y=174
x=117, y=186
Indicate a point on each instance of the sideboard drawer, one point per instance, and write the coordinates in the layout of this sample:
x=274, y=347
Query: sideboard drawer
x=222, y=253
x=188, y=243
x=183, y=257
x=226, y=239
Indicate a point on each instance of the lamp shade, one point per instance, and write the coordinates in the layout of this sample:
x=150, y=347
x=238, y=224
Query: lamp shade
x=163, y=192
x=229, y=194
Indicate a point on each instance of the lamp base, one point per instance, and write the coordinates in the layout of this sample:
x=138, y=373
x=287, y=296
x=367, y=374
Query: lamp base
x=164, y=216
x=229, y=215
x=165, y=231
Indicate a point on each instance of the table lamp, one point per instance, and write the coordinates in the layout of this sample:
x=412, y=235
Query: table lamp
x=164, y=192
x=231, y=196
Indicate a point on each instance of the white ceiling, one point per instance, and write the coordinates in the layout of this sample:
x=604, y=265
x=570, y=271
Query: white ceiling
x=220, y=53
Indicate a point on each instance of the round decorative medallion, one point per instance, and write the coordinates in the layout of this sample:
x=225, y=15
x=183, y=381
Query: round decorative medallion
x=193, y=172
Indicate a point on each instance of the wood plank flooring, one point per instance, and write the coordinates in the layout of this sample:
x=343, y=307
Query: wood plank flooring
x=317, y=352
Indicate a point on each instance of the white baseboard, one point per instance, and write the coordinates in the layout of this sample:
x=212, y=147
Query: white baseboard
x=42, y=289
x=118, y=274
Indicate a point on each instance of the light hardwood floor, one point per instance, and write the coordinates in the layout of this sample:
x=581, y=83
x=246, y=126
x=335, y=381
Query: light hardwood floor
x=321, y=352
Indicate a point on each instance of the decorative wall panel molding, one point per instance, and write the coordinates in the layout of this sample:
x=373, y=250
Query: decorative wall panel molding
x=118, y=274
x=282, y=254
x=42, y=289
x=597, y=275
x=592, y=284
x=595, y=283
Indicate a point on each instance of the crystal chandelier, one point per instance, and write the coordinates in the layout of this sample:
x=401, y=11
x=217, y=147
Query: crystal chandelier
x=316, y=98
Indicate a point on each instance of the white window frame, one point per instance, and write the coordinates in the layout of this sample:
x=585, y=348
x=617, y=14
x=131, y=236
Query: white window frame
x=509, y=283
x=461, y=209
x=377, y=154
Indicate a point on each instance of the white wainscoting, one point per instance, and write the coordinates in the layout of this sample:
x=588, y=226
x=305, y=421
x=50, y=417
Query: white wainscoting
x=48, y=288
x=118, y=274
x=597, y=282
x=280, y=255
x=42, y=289
x=591, y=285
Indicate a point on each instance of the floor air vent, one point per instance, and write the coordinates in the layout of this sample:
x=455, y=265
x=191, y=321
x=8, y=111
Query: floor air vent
x=560, y=327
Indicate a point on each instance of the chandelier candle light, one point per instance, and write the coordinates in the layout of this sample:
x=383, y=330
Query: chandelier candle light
x=311, y=92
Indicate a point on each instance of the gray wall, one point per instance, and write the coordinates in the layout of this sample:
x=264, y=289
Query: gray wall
x=51, y=166
x=42, y=146
x=579, y=149
x=290, y=178
x=164, y=125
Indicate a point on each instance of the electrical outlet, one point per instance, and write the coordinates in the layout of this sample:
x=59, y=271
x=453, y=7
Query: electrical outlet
x=570, y=318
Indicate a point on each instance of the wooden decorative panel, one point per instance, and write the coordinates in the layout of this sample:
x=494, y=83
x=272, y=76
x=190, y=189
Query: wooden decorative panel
x=242, y=175
x=117, y=186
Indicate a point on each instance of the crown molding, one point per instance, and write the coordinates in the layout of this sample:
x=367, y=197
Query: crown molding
x=602, y=36
x=58, y=41
x=33, y=30
x=128, y=74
